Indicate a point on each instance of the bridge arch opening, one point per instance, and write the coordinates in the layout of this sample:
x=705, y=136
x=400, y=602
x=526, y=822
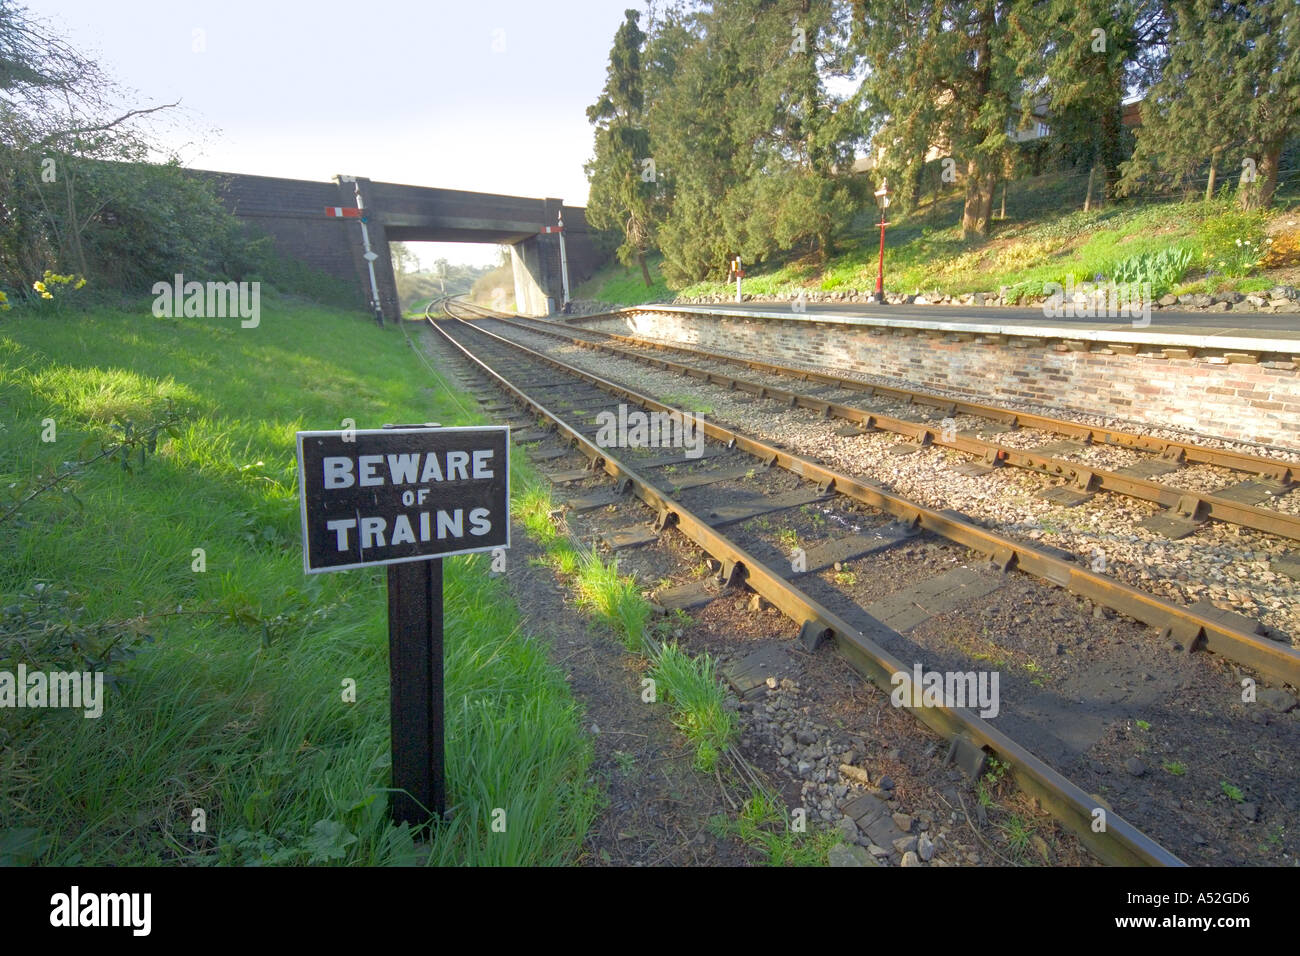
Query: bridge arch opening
x=425, y=271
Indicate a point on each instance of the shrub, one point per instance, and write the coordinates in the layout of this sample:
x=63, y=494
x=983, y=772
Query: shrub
x=1161, y=269
x=1233, y=241
x=1281, y=250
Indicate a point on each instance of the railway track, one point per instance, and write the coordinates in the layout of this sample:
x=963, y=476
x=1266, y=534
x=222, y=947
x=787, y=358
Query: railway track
x=985, y=455
x=966, y=425
x=739, y=482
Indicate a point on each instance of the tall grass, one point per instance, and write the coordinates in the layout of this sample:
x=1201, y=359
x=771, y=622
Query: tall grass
x=699, y=711
x=689, y=686
x=236, y=709
x=614, y=600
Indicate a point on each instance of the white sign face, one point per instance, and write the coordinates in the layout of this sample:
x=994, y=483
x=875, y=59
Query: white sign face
x=385, y=496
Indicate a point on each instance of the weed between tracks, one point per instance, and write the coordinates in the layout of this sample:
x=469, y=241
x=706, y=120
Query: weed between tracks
x=690, y=686
x=764, y=825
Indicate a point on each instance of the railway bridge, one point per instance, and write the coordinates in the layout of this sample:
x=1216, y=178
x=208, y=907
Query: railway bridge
x=293, y=213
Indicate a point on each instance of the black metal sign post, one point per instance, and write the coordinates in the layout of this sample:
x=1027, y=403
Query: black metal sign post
x=405, y=496
x=415, y=665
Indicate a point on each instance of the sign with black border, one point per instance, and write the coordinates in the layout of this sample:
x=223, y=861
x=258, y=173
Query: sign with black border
x=373, y=497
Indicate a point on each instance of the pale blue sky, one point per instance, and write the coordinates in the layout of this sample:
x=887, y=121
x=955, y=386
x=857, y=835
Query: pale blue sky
x=279, y=88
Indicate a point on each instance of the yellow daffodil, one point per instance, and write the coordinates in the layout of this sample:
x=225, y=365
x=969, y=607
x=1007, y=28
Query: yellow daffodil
x=46, y=295
x=38, y=285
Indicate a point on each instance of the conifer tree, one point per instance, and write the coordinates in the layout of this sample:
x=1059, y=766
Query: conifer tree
x=623, y=174
x=1230, y=90
x=1077, y=61
x=942, y=80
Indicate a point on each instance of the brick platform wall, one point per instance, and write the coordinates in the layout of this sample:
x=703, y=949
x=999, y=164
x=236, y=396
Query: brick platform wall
x=1208, y=394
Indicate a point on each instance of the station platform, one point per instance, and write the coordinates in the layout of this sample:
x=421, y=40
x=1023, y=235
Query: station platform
x=1216, y=374
x=1248, y=332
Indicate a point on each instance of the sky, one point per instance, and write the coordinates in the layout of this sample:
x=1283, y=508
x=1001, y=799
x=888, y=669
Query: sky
x=483, y=95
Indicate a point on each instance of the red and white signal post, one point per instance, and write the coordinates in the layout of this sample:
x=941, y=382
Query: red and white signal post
x=347, y=212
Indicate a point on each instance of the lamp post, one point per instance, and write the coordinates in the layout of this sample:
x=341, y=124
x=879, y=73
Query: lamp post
x=882, y=197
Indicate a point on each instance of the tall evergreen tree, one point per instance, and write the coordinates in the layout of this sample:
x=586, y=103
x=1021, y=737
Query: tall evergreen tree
x=1265, y=83
x=1078, y=60
x=1231, y=89
x=623, y=174
x=760, y=153
x=941, y=75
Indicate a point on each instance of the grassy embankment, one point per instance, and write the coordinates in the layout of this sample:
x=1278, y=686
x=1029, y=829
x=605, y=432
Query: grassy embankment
x=1045, y=238
x=616, y=284
x=235, y=707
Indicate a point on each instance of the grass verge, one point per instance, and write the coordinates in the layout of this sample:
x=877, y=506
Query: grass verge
x=1046, y=237
x=227, y=736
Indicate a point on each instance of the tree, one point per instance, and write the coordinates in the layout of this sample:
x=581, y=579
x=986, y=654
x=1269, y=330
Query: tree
x=1077, y=61
x=58, y=122
x=1231, y=88
x=404, y=260
x=941, y=75
x=1264, y=82
x=622, y=174
x=759, y=154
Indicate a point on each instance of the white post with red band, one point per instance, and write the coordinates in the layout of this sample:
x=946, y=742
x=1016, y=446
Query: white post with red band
x=345, y=212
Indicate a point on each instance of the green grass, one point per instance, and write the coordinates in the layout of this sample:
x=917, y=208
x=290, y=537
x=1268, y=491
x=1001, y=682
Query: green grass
x=617, y=285
x=1046, y=238
x=690, y=403
x=614, y=600
x=691, y=688
x=1017, y=833
x=764, y=825
x=532, y=506
x=236, y=707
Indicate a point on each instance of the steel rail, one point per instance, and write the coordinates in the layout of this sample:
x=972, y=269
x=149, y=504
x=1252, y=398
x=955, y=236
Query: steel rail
x=1277, y=662
x=1118, y=842
x=1083, y=478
